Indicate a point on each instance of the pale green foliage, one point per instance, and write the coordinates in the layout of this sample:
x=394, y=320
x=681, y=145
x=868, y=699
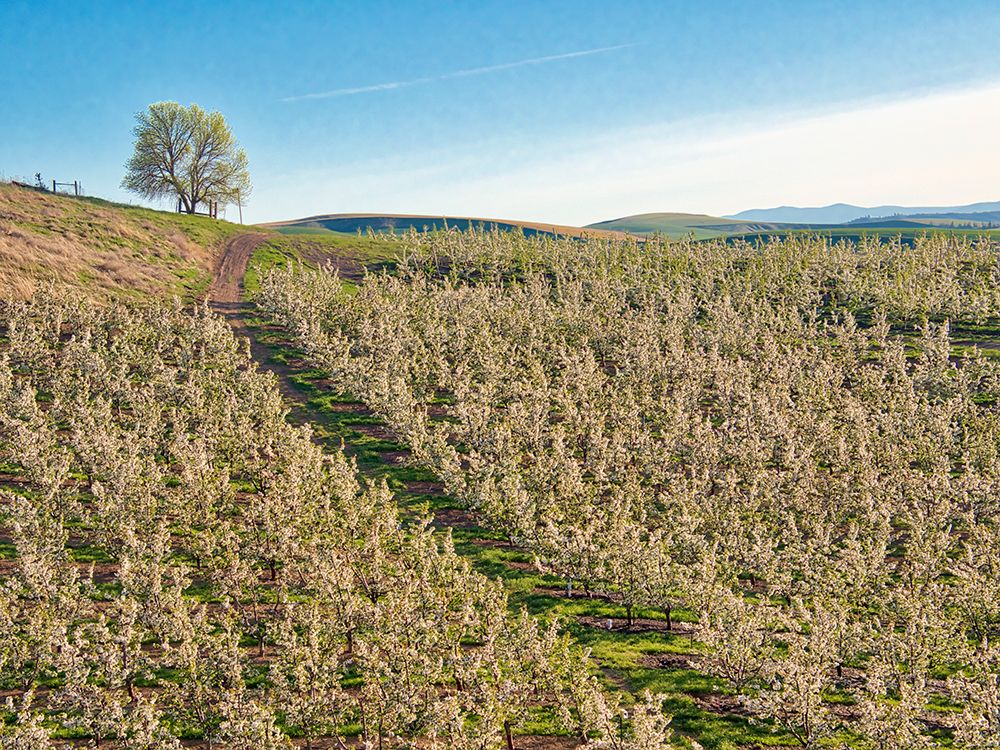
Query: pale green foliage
x=188, y=153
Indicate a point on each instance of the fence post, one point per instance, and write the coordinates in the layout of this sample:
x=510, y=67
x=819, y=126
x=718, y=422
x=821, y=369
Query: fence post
x=76, y=188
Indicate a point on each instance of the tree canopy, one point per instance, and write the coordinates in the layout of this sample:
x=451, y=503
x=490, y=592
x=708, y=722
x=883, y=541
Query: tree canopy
x=188, y=153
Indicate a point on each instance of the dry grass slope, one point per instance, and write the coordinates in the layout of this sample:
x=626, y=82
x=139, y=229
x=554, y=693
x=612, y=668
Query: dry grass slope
x=103, y=249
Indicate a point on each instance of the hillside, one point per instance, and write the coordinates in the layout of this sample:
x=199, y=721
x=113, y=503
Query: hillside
x=701, y=226
x=103, y=249
x=352, y=223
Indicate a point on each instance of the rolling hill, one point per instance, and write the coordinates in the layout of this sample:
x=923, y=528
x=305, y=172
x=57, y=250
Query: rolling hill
x=380, y=223
x=701, y=226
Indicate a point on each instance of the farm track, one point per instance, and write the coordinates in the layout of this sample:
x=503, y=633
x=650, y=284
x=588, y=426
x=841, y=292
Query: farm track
x=225, y=297
x=227, y=279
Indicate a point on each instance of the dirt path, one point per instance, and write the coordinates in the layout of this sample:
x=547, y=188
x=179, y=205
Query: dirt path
x=227, y=279
x=225, y=296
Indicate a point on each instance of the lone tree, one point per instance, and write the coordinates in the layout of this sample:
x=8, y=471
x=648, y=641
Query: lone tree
x=189, y=153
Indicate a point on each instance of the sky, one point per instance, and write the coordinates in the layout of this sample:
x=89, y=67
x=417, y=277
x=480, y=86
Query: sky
x=563, y=112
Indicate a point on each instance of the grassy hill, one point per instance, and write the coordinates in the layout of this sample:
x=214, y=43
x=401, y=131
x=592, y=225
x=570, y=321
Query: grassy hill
x=701, y=226
x=101, y=248
x=382, y=223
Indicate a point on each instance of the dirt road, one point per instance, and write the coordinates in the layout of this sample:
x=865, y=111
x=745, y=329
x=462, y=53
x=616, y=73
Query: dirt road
x=225, y=296
x=227, y=281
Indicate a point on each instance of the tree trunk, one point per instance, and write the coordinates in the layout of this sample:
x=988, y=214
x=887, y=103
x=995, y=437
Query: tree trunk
x=669, y=610
x=364, y=719
x=508, y=735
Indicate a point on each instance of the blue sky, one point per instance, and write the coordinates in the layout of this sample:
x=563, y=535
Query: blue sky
x=560, y=111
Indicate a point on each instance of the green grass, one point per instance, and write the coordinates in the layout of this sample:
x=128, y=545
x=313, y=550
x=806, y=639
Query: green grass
x=268, y=255
x=315, y=249
x=294, y=229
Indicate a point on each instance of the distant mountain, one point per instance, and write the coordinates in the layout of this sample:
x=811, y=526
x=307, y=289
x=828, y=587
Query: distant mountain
x=842, y=213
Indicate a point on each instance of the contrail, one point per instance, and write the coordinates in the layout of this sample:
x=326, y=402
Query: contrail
x=392, y=85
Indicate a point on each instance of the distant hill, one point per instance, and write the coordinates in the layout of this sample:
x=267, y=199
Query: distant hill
x=701, y=226
x=842, y=213
x=352, y=223
x=983, y=219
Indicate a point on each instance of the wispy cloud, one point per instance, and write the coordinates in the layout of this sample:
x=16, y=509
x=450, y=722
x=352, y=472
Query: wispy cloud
x=392, y=85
